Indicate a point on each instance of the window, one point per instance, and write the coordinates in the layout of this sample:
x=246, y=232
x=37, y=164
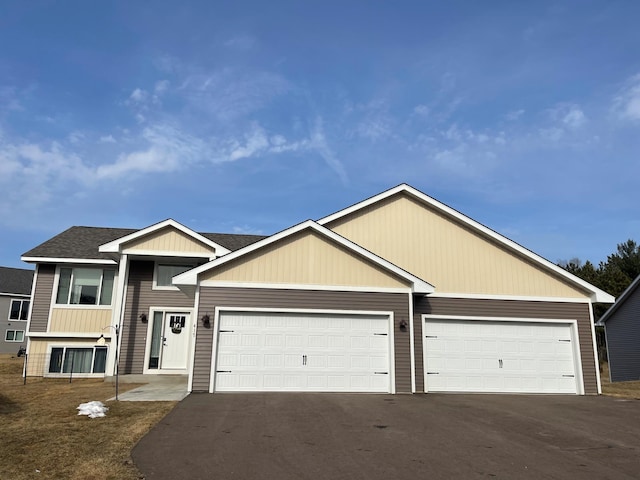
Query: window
x=78, y=360
x=165, y=272
x=14, y=336
x=85, y=286
x=19, y=310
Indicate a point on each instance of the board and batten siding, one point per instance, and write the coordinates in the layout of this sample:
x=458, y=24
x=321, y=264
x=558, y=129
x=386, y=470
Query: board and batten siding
x=447, y=253
x=509, y=308
x=42, y=297
x=168, y=240
x=84, y=320
x=623, y=339
x=140, y=297
x=305, y=258
x=212, y=297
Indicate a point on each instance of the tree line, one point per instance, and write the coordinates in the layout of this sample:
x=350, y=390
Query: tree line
x=613, y=276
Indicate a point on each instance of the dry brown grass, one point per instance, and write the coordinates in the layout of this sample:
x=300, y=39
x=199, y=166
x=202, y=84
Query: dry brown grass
x=43, y=436
x=619, y=389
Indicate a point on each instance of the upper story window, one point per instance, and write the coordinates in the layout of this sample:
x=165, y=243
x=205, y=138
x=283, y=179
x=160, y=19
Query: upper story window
x=165, y=272
x=85, y=286
x=19, y=310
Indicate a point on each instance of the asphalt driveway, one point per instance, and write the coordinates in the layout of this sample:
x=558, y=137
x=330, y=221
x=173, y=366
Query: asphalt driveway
x=327, y=436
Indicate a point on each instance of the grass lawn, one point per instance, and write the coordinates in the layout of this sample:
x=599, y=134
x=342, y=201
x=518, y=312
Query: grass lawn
x=43, y=436
x=619, y=389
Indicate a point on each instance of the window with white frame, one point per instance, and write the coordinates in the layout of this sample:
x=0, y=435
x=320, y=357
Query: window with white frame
x=85, y=286
x=14, y=336
x=78, y=360
x=166, y=271
x=19, y=310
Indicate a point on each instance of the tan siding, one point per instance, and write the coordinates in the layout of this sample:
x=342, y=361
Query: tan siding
x=42, y=298
x=38, y=357
x=210, y=298
x=79, y=319
x=168, y=240
x=509, y=308
x=140, y=297
x=306, y=258
x=445, y=253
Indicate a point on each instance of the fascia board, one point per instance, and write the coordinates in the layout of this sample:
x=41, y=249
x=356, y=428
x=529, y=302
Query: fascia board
x=418, y=285
x=597, y=295
x=91, y=261
x=115, y=245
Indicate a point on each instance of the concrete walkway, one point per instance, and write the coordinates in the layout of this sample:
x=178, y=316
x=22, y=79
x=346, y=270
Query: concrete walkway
x=158, y=388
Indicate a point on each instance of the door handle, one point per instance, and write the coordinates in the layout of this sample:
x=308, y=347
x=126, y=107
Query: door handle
x=500, y=362
x=304, y=359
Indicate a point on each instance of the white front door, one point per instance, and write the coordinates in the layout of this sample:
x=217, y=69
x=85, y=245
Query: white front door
x=499, y=356
x=169, y=346
x=266, y=351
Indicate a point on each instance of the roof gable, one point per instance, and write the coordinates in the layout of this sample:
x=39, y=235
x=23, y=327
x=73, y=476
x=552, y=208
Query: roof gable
x=265, y=247
x=389, y=243
x=630, y=292
x=145, y=239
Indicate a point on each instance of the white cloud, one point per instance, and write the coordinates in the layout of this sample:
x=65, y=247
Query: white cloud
x=138, y=96
x=167, y=149
x=514, y=115
x=319, y=143
x=574, y=117
x=76, y=137
x=422, y=110
x=161, y=87
x=627, y=103
x=107, y=139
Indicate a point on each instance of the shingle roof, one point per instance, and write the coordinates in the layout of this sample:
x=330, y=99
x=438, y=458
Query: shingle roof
x=15, y=280
x=83, y=242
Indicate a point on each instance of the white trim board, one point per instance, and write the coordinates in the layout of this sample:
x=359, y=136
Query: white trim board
x=88, y=261
x=298, y=286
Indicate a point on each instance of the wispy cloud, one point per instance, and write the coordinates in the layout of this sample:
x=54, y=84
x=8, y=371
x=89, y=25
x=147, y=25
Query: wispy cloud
x=626, y=104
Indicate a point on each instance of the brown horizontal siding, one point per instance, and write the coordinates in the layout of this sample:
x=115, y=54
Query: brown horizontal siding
x=42, y=298
x=509, y=308
x=140, y=297
x=212, y=297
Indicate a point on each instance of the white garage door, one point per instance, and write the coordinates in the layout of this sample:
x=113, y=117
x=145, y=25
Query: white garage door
x=263, y=351
x=487, y=356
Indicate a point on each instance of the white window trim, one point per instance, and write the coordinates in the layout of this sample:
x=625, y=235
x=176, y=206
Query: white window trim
x=56, y=284
x=65, y=346
x=156, y=264
x=14, y=335
x=21, y=300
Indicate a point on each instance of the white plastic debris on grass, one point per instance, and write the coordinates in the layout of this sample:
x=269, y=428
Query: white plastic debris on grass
x=93, y=409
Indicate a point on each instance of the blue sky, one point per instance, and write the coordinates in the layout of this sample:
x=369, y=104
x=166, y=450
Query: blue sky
x=250, y=117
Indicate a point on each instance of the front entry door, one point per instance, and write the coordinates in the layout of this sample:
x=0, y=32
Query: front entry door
x=169, y=341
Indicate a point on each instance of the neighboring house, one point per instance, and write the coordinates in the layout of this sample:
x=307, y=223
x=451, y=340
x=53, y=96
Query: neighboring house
x=398, y=294
x=15, y=295
x=622, y=331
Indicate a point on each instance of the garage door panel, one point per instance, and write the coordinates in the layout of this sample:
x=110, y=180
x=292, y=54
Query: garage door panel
x=491, y=356
x=302, y=352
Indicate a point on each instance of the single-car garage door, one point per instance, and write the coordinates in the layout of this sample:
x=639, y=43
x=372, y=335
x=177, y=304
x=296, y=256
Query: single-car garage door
x=298, y=352
x=499, y=356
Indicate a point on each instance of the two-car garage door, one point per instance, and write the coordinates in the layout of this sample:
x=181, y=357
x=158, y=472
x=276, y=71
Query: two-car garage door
x=274, y=351
x=499, y=356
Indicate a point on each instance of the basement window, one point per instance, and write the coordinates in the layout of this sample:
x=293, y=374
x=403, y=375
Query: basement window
x=78, y=360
